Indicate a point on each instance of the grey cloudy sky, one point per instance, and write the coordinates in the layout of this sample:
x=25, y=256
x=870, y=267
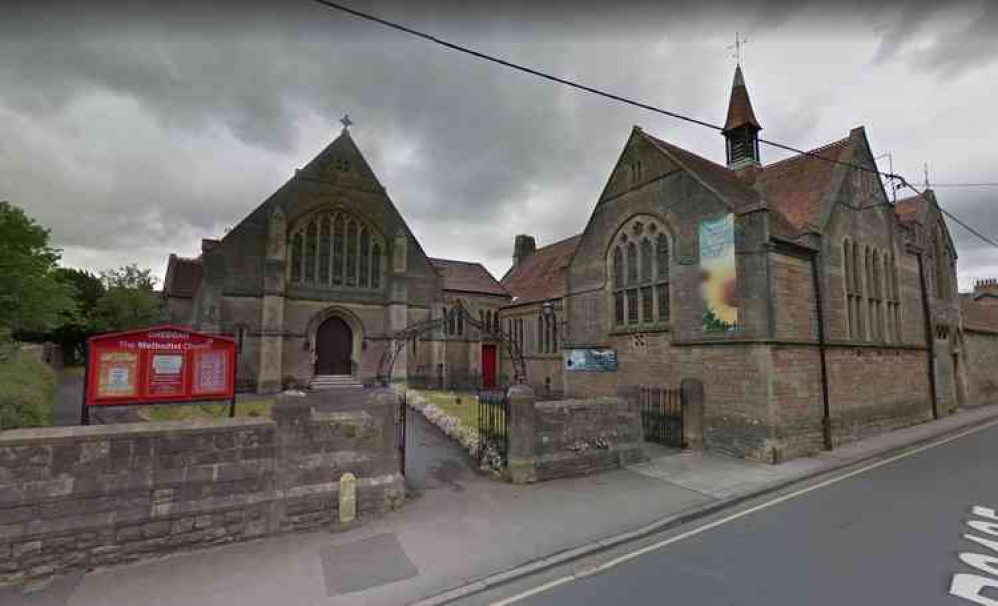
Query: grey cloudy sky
x=133, y=131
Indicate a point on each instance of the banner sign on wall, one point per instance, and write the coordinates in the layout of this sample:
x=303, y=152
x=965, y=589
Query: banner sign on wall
x=718, y=280
x=602, y=359
x=160, y=364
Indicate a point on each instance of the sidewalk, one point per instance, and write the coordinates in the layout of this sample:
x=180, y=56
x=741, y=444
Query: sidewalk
x=459, y=529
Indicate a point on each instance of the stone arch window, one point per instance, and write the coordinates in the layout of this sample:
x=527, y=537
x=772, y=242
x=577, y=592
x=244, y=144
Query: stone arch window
x=852, y=291
x=333, y=249
x=639, y=262
x=876, y=297
x=893, y=298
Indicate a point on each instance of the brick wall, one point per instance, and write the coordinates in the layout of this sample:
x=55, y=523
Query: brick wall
x=82, y=497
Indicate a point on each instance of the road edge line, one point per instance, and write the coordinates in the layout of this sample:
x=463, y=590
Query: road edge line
x=694, y=513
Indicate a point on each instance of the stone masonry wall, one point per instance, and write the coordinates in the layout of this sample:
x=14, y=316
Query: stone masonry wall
x=980, y=369
x=580, y=437
x=84, y=497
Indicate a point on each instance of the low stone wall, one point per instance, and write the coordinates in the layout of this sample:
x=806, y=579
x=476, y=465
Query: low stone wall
x=84, y=497
x=581, y=437
x=564, y=438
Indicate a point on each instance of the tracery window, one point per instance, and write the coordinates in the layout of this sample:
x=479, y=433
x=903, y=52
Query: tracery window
x=640, y=267
x=873, y=299
x=335, y=249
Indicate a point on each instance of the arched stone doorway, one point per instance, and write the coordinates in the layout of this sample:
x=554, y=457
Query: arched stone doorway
x=334, y=347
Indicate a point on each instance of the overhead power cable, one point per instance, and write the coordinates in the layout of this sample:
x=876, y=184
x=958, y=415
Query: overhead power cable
x=628, y=101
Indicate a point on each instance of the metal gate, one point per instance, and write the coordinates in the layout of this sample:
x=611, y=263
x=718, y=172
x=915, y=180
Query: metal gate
x=662, y=415
x=400, y=430
x=493, y=428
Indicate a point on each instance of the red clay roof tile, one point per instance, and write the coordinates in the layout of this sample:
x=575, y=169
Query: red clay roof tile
x=540, y=276
x=468, y=277
x=795, y=186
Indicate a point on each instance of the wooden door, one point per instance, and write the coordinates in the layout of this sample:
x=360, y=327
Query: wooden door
x=333, y=346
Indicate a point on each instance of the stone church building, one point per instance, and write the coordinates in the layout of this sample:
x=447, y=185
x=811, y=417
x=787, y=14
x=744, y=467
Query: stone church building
x=814, y=309
x=318, y=278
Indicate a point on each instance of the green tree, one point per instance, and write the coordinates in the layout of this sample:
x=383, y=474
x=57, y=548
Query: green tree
x=129, y=300
x=72, y=336
x=32, y=297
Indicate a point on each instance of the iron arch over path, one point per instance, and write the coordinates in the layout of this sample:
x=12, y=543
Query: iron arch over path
x=404, y=336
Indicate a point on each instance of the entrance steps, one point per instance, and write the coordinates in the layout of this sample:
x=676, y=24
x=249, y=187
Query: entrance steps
x=323, y=382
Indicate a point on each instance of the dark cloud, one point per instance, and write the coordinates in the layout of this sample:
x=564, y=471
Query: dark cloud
x=139, y=128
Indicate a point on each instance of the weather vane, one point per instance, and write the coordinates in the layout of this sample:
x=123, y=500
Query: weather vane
x=346, y=121
x=737, y=47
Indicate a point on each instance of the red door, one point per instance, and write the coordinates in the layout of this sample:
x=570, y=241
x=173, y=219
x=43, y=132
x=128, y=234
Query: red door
x=488, y=366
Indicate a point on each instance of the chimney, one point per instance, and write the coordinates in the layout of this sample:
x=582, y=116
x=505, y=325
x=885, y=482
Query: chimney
x=523, y=247
x=208, y=245
x=986, y=289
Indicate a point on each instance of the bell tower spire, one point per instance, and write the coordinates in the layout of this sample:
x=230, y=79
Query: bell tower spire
x=741, y=129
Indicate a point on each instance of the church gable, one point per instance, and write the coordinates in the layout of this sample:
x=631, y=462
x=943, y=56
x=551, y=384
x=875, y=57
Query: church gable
x=638, y=164
x=341, y=163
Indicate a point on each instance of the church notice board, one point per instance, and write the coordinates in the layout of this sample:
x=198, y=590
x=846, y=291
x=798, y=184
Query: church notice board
x=158, y=365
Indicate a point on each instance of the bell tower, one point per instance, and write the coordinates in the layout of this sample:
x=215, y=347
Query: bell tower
x=741, y=129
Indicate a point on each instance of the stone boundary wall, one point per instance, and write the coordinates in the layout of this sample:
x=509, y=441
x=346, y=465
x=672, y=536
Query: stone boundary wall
x=586, y=436
x=565, y=438
x=981, y=368
x=85, y=497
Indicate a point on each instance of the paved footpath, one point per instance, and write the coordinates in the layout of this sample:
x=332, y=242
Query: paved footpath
x=458, y=530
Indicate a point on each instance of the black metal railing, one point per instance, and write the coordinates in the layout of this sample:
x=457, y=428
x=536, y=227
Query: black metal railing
x=493, y=428
x=400, y=429
x=662, y=415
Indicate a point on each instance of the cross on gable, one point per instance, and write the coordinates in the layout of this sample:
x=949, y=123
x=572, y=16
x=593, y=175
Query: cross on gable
x=346, y=121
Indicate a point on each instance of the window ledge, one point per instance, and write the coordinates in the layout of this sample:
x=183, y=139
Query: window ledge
x=640, y=329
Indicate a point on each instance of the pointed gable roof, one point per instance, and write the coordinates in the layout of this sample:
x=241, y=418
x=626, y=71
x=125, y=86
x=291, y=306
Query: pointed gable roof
x=467, y=276
x=739, y=105
x=796, y=186
x=724, y=182
x=540, y=276
x=341, y=149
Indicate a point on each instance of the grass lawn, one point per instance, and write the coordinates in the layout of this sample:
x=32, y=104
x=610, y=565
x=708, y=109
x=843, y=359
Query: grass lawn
x=247, y=407
x=466, y=412
x=27, y=388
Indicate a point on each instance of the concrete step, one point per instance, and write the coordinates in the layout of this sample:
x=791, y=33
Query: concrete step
x=320, y=382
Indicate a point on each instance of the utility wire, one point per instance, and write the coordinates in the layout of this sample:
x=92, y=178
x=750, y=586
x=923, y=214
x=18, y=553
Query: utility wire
x=580, y=86
x=645, y=106
x=955, y=218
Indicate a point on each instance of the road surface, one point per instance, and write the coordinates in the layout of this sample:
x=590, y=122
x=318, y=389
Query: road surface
x=892, y=534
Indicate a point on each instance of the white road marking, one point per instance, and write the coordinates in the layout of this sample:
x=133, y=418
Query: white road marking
x=664, y=543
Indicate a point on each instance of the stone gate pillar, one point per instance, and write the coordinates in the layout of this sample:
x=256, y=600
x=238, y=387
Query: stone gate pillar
x=522, y=433
x=691, y=395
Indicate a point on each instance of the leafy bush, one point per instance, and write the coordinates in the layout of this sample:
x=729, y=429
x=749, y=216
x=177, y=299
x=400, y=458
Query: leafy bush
x=27, y=386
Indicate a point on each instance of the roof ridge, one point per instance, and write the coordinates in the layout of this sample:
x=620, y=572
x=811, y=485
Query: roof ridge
x=807, y=154
x=692, y=153
x=555, y=243
x=456, y=261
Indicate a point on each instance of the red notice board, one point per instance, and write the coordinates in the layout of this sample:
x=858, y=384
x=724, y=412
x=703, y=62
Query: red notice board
x=159, y=364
